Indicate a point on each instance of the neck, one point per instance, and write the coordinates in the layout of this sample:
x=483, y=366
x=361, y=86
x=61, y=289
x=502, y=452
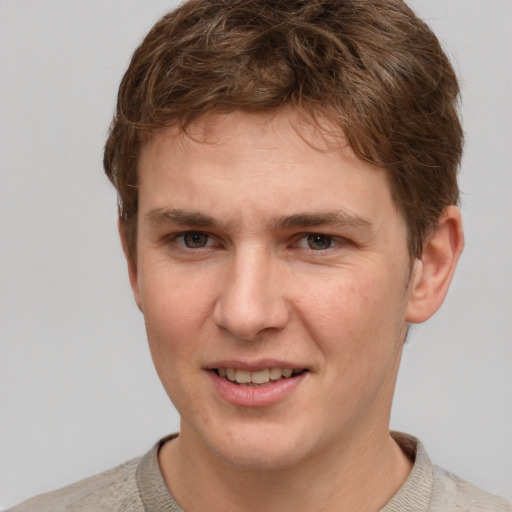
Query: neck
x=373, y=468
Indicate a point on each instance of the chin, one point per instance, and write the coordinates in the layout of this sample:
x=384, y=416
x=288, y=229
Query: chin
x=261, y=448
x=256, y=458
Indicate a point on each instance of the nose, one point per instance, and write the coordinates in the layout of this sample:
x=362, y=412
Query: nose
x=252, y=295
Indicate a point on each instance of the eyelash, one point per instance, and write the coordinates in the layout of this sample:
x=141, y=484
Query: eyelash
x=333, y=241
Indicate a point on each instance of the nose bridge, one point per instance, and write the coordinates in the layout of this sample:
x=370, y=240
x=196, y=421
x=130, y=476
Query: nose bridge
x=251, y=297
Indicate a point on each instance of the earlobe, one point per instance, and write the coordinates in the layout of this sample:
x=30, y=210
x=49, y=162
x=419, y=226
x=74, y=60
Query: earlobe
x=434, y=270
x=132, y=265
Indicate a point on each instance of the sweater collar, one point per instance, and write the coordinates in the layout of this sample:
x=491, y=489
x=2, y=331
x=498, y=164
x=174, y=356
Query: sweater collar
x=415, y=494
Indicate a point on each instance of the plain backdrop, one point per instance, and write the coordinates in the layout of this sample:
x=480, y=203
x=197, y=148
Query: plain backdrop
x=78, y=393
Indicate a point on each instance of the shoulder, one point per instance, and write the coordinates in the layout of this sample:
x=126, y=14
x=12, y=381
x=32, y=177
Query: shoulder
x=430, y=488
x=113, y=490
x=453, y=493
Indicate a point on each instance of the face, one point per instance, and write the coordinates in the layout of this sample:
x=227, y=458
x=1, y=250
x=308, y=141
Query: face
x=272, y=275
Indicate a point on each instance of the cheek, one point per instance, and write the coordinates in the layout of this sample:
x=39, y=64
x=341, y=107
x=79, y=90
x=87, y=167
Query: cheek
x=354, y=316
x=171, y=297
x=175, y=314
x=176, y=309
x=337, y=304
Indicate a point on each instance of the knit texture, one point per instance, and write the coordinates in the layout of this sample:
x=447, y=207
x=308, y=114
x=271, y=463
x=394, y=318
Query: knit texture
x=138, y=486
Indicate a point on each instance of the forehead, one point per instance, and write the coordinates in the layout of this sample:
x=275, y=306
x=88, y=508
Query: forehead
x=266, y=129
x=264, y=160
x=284, y=131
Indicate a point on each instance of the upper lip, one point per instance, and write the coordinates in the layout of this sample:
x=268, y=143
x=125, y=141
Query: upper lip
x=254, y=366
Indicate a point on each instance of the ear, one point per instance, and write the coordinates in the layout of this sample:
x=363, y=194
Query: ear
x=433, y=271
x=132, y=265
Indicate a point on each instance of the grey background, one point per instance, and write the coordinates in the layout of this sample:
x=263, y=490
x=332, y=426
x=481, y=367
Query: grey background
x=78, y=393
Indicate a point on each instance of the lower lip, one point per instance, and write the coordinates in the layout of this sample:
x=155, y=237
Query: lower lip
x=256, y=396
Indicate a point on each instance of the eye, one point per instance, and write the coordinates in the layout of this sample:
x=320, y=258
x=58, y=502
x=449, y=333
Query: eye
x=194, y=239
x=317, y=242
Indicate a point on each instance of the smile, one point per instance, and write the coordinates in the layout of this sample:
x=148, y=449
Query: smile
x=256, y=378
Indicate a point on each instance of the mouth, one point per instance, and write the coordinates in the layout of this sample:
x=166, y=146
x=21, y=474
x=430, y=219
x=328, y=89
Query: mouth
x=261, y=377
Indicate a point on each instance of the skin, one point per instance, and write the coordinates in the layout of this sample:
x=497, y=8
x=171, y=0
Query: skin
x=255, y=246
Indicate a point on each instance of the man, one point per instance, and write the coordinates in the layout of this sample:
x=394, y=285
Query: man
x=286, y=174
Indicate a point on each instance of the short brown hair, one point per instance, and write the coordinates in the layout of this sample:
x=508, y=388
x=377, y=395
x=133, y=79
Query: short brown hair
x=370, y=67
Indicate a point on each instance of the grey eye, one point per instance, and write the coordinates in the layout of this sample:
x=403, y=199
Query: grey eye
x=195, y=240
x=319, y=242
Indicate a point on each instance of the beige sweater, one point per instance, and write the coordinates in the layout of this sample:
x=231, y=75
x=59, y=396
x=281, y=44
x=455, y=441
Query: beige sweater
x=138, y=486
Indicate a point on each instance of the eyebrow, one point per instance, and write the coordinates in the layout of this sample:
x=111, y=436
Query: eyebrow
x=322, y=218
x=187, y=218
x=161, y=216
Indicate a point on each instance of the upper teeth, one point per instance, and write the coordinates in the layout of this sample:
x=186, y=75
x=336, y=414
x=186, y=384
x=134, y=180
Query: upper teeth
x=258, y=377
